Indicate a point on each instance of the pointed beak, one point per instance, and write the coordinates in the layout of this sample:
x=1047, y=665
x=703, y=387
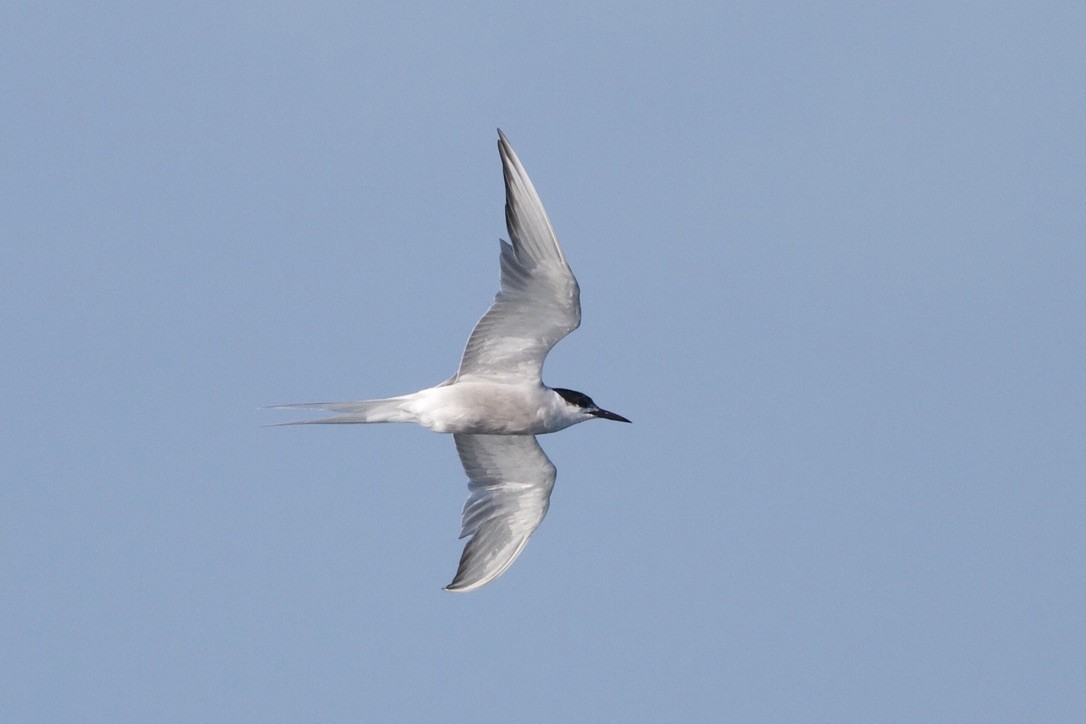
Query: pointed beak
x=608, y=415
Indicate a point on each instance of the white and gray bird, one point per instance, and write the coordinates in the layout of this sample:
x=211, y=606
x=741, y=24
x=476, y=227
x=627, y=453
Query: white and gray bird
x=496, y=403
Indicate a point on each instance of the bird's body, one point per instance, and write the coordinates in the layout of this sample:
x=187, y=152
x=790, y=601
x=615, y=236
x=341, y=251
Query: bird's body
x=496, y=403
x=466, y=407
x=483, y=407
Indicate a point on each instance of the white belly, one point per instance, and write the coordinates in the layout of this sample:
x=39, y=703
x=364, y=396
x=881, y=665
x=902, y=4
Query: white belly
x=487, y=408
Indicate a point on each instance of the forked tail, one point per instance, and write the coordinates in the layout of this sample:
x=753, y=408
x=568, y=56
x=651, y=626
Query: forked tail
x=390, y=409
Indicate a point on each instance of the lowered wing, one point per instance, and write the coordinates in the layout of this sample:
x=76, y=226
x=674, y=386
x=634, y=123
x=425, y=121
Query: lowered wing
x=509, y=489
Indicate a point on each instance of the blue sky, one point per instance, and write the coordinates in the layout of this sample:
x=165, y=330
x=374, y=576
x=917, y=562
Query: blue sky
x=832, y=264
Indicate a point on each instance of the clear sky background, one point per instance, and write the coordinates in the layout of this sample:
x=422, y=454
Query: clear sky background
x=833, y=266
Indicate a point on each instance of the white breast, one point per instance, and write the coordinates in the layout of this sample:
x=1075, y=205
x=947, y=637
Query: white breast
x=481, y=407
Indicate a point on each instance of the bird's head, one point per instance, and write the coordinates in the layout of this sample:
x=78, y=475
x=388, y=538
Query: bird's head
x=584, y=404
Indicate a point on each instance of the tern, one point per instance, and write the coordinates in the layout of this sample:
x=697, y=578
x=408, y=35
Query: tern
x=496, y=403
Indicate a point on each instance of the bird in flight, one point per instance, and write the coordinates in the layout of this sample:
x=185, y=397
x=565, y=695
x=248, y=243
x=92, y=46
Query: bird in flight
x=496, y=403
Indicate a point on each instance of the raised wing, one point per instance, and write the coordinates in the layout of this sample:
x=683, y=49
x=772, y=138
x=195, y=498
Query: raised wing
x=539, y=302
x=509, y=489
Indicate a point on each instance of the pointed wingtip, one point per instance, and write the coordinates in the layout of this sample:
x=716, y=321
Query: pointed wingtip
x=454, y=588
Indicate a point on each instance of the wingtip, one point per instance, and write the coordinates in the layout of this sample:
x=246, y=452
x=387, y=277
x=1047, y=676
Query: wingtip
x=461, y=583
x=504, y=148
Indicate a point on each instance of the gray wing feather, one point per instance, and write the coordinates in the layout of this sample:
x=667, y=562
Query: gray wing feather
x=510, y=481
x=539, y=301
